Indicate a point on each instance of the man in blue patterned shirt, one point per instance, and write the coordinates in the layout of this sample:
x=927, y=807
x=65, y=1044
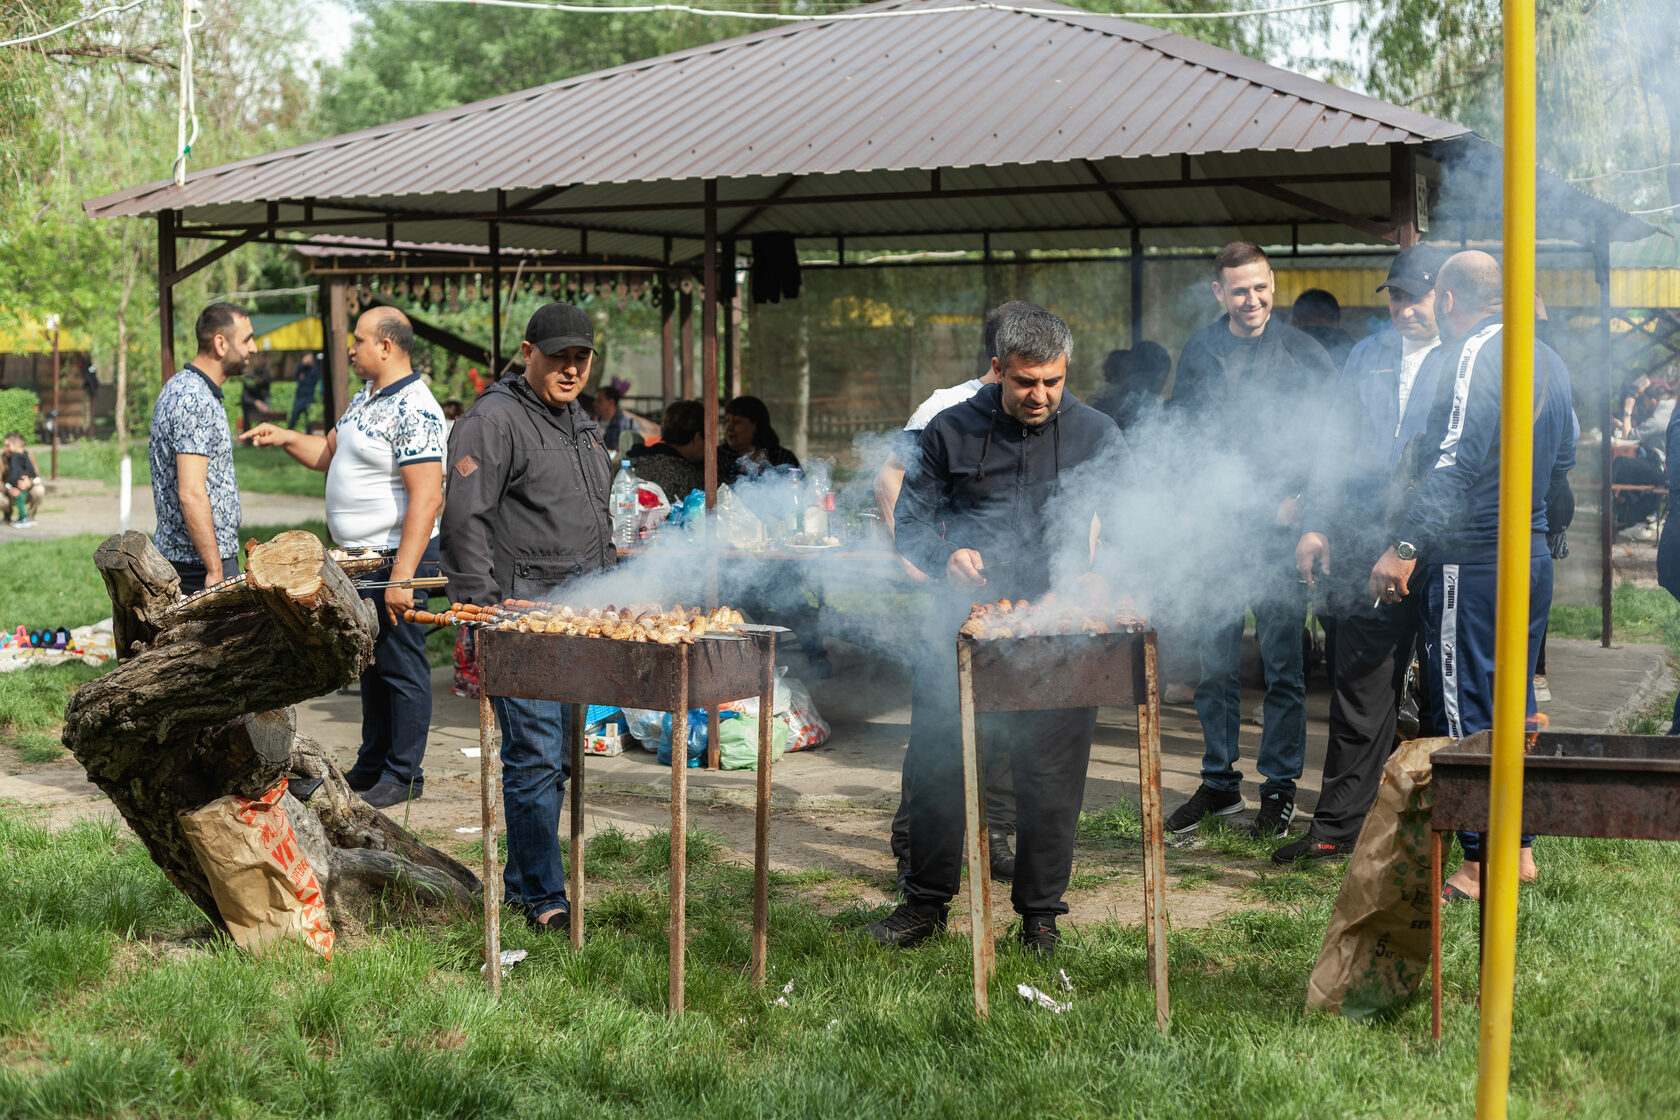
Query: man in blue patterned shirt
x=384, y=464
x=193, y=486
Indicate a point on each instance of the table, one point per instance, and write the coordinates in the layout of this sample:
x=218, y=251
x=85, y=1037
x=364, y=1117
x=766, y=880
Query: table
x=672, y=678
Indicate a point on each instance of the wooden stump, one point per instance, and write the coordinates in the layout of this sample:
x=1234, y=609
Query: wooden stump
x=199, y=708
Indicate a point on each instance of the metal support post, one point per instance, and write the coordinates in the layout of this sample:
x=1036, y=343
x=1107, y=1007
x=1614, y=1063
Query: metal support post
x=575, y=887
x=489, y=769
x=679, y=839
x=975, y=841
x=1154, y=834
x=761, y=813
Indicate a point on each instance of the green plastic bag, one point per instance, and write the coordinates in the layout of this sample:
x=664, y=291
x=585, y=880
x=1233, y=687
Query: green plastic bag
x=738, y=742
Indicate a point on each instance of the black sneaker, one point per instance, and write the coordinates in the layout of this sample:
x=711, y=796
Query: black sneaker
x=1276, y=811
x=1310, y=847
x=387, y=794
x=1003, y=860
x=908, y=926
x=1220, y=802
x=1039, y=935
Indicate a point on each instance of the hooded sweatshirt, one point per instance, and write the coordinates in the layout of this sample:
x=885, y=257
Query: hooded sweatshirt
x=981, y=479
x=526, y=507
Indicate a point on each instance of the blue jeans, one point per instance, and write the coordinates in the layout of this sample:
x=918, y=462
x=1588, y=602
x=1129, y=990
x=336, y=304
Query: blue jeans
x=1283, y=735
x=536, y=761
x=396, y=694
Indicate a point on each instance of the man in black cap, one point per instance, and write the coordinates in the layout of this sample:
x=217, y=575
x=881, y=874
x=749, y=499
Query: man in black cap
x=1381, y=405
x=527, y=513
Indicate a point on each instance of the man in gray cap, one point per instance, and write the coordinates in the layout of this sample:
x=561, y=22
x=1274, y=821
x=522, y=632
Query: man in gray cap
x=1381, y=406
x=526, y=514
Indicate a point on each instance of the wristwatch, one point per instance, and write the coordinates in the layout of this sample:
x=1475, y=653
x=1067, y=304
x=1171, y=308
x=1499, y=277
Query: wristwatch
x=1406, y=550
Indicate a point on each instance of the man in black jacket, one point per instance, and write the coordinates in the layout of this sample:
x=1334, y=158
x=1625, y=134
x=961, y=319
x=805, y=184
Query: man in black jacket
x=987, y=488
x=526, y=513
x=1253, y=387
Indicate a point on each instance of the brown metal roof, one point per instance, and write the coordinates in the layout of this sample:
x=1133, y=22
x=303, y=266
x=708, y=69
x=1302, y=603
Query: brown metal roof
x=994, y=100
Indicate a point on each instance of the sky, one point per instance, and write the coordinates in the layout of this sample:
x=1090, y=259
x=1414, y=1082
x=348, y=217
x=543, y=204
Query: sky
x=329, y=30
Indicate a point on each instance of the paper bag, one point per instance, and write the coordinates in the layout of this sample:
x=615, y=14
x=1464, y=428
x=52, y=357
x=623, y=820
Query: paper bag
x=261, y=880
x=1377, y=947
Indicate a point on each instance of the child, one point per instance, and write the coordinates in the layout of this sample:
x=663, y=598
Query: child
x=23, y=484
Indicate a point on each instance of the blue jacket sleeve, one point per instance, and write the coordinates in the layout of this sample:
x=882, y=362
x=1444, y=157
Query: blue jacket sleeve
x=917, y=514
x=1668, y=547
x=1472, y=425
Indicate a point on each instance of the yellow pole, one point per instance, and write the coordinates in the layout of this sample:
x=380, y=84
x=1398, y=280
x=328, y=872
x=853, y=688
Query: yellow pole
x=1516, y=492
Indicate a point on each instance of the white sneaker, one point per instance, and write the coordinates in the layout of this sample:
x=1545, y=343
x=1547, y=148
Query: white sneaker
x=1542, y=692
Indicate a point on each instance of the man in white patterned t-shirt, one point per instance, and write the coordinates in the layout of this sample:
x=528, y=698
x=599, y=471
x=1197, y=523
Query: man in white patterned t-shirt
x=384, y=464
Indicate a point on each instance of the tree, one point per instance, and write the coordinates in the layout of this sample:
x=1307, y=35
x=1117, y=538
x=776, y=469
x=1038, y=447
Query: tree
x=1608, y=82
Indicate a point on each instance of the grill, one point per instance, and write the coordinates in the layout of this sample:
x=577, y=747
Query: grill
x=1044, y=674
x=1615, y=787
x=715, y=669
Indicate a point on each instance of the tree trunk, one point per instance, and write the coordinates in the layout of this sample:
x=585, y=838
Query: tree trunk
x=198, y=709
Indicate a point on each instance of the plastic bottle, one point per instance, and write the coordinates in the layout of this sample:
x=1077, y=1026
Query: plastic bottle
x=625, y=506
x=819, y=500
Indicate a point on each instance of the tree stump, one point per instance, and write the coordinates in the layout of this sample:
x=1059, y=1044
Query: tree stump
x=199, y=708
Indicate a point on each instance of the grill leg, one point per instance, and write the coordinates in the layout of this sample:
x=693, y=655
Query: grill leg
x=1154, y=836
x=712, y=747
x=1434, y=935
x=761, y=815
x=575, y=888
x=489, y=769
x=979, y=856
x=679, y=838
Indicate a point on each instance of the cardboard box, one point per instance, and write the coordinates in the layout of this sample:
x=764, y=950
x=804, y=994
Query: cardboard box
x=605, y=741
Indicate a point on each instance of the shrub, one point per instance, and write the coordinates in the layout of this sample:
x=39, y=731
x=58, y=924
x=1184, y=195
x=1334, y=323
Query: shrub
x=18, y=412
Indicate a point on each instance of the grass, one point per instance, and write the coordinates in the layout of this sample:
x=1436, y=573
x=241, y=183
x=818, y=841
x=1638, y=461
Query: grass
x=260, y=470
x=101, y=1013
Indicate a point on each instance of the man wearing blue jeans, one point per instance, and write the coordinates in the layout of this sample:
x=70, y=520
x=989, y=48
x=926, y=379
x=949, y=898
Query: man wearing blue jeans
x=1250, y=389
x=527, y=514
x=1452, y=525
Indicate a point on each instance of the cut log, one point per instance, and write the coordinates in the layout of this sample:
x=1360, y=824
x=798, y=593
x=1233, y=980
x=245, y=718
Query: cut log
x=199, y=708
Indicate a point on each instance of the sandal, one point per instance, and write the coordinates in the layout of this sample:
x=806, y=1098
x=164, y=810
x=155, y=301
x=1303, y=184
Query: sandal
x=559, y=922
x=1450, y=893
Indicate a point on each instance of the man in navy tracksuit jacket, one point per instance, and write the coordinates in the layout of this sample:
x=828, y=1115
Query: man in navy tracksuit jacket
x=985, y=505
x=1381, y=406
x=1453, y=522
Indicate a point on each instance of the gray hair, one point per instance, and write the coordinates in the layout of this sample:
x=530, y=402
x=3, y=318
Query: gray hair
x=1036, y=337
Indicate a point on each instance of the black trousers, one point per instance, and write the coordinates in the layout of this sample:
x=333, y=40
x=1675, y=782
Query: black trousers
x=191, y=572
x=1370, y=653
x=396, y=694
x=1049, y=754
x=1000, y=794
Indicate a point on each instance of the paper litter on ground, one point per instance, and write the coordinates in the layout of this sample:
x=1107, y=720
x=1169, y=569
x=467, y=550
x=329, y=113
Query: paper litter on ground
x=782, y=1000
x=1033, y=995
x=471, y=752
x=474, y=828
x=510, y=957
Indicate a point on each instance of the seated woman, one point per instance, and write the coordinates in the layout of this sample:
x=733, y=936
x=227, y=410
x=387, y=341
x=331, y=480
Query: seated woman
x=676, y=463
x=750, y=443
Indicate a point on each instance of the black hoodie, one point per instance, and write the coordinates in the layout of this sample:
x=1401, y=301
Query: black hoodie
x=983, y=480
x=526, y=506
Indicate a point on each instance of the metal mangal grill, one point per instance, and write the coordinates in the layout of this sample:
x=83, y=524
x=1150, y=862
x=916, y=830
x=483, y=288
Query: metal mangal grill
x=1045, y=673
x=716, y=668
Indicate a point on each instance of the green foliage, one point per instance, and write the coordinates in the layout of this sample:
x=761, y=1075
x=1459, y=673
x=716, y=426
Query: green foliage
x=18, y=409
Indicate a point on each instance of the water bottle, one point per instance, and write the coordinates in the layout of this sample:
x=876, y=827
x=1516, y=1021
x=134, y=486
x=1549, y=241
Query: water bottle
x=625, y=506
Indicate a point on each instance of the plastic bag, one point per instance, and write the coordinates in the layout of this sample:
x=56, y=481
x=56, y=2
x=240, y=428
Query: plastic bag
x=738, y=742
x=805, y=724
x=646, y=726
x=781, y=698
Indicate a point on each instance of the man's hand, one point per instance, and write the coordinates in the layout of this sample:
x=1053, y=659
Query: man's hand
x=1312, y=549
x=268, y=435
x=1289, y=510
x=1390, y=576
x=911, y=572
x=965, y=569
x=398, y=600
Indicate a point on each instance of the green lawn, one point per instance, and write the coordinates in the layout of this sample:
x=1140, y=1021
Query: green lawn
x=260, y=470
x=105, y=1012
x=102, y=1014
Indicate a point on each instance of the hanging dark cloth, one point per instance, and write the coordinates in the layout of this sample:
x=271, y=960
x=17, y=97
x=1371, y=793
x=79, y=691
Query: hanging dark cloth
x=775, y=267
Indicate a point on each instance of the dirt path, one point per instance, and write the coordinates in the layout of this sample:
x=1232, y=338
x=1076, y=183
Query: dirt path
x=81, y=505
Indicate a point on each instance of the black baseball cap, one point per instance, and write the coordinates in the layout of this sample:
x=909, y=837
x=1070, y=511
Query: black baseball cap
x=1414, y=270
x=555, y=326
